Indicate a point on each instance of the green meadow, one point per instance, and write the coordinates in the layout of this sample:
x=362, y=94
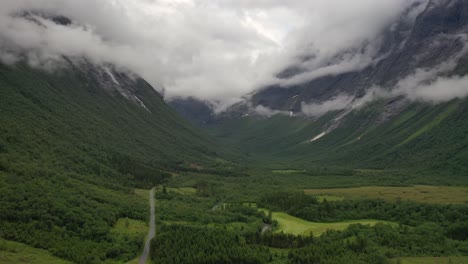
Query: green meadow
x=289, y=224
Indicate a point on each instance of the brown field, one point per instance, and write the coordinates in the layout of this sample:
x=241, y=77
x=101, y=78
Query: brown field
x=419, y=193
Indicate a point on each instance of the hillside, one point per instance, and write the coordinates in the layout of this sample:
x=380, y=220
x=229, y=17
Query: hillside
x=74, y=142
x=422, y=138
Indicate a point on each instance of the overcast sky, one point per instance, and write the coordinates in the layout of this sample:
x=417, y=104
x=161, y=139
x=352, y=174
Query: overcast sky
x=217, y=50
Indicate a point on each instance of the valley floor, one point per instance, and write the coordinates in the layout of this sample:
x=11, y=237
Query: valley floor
x=219, y=215
x=202, y=212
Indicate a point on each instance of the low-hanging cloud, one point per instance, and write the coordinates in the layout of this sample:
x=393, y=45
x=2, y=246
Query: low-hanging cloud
x=212, y=50
x=337, y=103
x=424, y=85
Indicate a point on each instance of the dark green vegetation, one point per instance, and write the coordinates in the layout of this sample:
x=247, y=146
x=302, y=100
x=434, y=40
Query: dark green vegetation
x=199, y=228
x=71, y=152
x=224, y=216
x=189, y=244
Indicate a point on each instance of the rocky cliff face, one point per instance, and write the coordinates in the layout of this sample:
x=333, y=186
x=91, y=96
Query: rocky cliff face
x=424, y=37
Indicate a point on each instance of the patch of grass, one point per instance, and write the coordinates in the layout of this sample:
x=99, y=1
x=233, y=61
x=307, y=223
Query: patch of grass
x=183, y=190
x=126, y=229
x=418, y=193
x=289, y=224
x=180, y=223
x=127, y=226
x=143, y=193
x=432, y=260
x=13, y=252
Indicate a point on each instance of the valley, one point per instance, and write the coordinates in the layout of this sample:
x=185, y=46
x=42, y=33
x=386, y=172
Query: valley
x=239, y=144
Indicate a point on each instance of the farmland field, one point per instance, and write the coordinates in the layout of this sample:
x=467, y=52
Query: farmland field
x=418, y=193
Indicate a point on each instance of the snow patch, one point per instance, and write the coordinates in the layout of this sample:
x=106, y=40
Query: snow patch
x=319, y=136
x=141, y=103
x=108, y=71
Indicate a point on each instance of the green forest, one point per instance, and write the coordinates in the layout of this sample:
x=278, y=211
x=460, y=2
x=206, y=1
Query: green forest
x=192, y=222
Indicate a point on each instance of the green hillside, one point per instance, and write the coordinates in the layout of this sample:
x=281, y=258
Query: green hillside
x=71, y=153
x=422, y=137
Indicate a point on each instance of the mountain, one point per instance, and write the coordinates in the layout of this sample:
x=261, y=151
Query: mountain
x=74, y=143
x=393, y=131
x=436, y=35
x=198, y=112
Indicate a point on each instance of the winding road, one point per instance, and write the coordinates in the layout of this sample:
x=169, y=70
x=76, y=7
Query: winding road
x=151, y=233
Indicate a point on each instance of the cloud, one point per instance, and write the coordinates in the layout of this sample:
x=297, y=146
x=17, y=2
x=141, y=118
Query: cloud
x=429, y=86
x=441, y=90
x=318, y=109
x=267, y=112
x=424, y=85
x=211, y=50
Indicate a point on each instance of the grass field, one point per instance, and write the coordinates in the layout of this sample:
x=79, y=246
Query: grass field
x=13, y=252
x=296, y=226
x=432, y=260
x=130, y=227
x=419, y=193
x=143, y=193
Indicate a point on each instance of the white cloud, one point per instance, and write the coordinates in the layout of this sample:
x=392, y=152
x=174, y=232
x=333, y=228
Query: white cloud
x=211, y=50
x=424, y=85
x=441, y=90
x=318, y=109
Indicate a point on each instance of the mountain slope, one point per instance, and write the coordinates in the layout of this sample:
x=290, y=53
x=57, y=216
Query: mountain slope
x=73, y=144
x=423, y=138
